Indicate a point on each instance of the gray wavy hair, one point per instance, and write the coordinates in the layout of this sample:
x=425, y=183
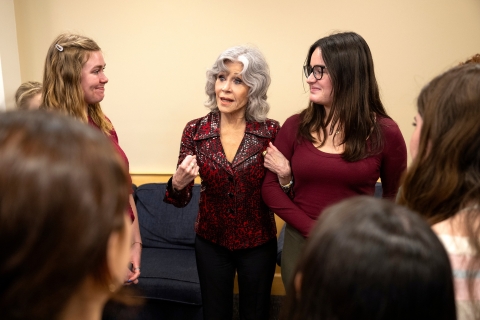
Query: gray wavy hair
x=255, y=74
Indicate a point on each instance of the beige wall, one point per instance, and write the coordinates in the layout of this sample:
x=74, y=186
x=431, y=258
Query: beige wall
x=157, y=53
x=9, y=61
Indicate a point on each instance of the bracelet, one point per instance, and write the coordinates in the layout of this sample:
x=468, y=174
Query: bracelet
x=287, y=186
x=141, y=244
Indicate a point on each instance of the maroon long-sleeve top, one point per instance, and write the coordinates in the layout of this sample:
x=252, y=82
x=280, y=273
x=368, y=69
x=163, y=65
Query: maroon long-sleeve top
x=114, y=138
x=231, y=210
x=322, y=179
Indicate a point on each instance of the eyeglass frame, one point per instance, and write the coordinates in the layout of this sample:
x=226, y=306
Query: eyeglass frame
x=308, y=70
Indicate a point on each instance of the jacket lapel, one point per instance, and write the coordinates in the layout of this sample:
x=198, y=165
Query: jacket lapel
x=253, y=142
x=208, y=143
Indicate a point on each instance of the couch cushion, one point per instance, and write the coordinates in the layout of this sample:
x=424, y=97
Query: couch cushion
x=170, y=274
x=162, y=225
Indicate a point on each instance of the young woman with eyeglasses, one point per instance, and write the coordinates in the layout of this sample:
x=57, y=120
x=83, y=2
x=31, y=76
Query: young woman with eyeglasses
x=337, y=147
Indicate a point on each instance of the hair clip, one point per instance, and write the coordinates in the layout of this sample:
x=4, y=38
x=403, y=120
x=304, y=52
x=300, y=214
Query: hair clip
x=59, y=47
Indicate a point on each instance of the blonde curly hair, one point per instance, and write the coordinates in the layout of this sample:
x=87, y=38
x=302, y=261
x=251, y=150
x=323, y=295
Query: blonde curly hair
x=62, y=89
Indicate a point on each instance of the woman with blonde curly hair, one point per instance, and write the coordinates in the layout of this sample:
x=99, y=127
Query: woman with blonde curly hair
x=74, y=84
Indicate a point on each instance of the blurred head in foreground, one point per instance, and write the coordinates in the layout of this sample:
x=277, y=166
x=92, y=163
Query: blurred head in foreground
x=65, y=234
x=368, y=258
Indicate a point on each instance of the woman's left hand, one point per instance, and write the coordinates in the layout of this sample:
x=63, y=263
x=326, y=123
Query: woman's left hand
x=136, y=253
x=276, y=162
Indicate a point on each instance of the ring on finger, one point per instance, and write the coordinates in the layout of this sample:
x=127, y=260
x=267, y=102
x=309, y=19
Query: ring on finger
x=264, y=153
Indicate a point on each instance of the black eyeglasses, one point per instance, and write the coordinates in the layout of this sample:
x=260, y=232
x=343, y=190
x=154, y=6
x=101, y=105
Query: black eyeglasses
x=317, y=70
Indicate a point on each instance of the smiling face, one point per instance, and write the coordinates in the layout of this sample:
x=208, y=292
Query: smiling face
x=321, y=91
x=415, y=140
x=231, y=91
x=94, y=78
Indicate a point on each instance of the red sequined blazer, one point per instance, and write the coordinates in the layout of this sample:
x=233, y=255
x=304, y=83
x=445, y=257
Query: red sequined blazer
x=231, y=212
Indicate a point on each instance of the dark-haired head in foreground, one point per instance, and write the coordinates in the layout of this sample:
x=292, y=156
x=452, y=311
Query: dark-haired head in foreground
x=368, y=258
x=63, y=227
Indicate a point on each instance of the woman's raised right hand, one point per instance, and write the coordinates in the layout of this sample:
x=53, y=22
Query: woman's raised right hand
x=186, y=172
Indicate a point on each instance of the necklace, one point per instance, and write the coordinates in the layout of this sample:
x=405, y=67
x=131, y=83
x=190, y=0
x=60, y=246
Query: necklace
x=333, y=140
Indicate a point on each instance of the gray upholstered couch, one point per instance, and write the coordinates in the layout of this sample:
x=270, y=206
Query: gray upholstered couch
x=169, y=271
x=169, y=280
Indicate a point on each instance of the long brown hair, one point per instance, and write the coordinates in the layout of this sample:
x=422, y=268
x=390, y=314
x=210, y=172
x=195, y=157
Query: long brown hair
x=444, y=178
x=356, y=98
x=62, y=90
x=63, y=192
x=445, y=175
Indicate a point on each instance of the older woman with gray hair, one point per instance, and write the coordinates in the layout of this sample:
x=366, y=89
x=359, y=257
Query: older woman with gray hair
x=235, y=230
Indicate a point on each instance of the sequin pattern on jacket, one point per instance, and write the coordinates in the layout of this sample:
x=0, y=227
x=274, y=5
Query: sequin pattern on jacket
x=231, y=210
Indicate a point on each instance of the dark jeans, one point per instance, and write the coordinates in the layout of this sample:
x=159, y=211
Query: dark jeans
x=216, y=270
